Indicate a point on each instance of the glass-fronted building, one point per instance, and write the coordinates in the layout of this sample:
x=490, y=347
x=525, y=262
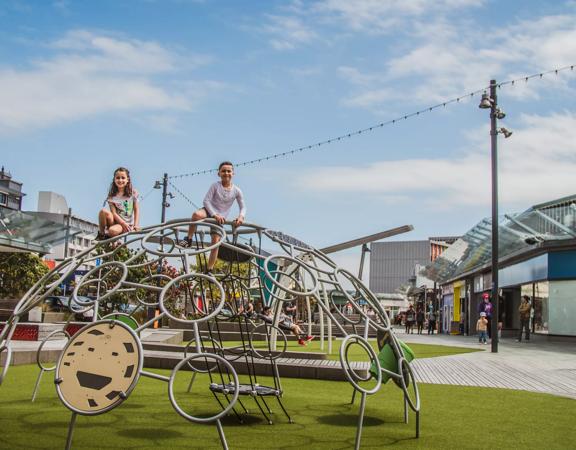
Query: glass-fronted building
x=537, y=257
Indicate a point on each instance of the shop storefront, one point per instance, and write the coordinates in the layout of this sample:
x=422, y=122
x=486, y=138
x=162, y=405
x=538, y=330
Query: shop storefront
x=537, y=250
x=447, y=308
x=550, y=281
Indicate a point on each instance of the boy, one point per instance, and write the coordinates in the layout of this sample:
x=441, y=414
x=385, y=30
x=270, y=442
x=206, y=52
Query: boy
x=217, y=204
x=481, y=327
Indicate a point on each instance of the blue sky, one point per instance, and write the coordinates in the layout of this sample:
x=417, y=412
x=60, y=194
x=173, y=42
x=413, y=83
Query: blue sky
x=177, y=86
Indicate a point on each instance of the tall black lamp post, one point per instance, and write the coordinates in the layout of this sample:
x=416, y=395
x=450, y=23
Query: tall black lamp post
x=491, y=102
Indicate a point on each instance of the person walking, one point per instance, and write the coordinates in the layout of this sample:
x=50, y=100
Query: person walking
x=431, y=322
x=420, y=320
x=481, y=326
x=410, y=318
x=524, y=310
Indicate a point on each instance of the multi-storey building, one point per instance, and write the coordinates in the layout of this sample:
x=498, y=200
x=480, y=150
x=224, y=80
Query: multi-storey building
x=10, y=192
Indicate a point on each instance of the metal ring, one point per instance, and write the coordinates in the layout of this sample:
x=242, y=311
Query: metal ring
x=403, y=364
x=370, y=299
x=177, y=280
x=158, y=276
x=194, y=369
x=46, y=339
x=284, y=288
x=33, y=296
x=85, y=281
x=266, y=327
x=214, y=228
x=7, y=362
x=222, y=413
x=270, y=290
x=350, y=374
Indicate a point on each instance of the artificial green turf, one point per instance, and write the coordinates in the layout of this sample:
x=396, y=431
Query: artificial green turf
x=357, y=353
x=453, y=417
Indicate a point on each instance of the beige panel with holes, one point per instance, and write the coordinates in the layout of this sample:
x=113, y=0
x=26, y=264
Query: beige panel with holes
x=99, y=364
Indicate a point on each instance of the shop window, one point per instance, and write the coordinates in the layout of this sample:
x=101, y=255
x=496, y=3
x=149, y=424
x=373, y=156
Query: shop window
x=540, y=307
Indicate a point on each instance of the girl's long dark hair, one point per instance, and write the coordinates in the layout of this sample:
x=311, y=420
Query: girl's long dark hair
x=128, y=190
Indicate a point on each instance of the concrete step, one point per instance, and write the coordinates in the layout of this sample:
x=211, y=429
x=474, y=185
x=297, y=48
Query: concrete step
x=162, y=335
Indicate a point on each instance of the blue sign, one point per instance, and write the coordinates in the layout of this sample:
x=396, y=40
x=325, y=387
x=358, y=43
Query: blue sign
x=98, y=261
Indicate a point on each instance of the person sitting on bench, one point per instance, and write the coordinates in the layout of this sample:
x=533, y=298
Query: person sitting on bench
x=245, y=307
x=286, y=323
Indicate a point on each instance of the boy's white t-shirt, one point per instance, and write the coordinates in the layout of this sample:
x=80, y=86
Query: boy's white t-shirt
x=219, y=200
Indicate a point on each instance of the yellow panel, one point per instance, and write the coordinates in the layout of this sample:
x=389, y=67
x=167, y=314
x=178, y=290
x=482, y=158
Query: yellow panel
x=456, y=303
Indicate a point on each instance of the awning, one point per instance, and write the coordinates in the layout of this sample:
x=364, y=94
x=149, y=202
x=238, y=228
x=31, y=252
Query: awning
x=518, y=233
x=27, y=232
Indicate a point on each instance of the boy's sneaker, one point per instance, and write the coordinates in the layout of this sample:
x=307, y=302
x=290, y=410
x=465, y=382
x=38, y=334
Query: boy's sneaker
x=186, y=242
x=101, y=236
x=309, y=338
x=301, y=342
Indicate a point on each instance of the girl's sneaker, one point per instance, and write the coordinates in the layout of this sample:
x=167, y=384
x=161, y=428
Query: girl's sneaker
x=186, y=242
x=101, y=236
x=309, y=338
x=301, y=342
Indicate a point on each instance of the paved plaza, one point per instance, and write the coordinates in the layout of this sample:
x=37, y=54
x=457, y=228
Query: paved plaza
x=537, y=366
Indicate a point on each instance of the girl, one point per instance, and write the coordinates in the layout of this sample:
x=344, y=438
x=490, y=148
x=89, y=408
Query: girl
x=123, y=201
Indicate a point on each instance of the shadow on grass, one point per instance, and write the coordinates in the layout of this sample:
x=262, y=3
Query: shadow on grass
x=349, y=420
x=133, y=405
x=151, y=434
x=247, y=419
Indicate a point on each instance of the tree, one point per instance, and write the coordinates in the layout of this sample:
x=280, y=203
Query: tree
x=19, y=272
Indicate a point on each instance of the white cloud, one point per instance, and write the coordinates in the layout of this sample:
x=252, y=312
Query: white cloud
x=441, y=65
x=536, y=164
x=378, y=16
x=92, y=74
x=287, y=32
x=298, y=21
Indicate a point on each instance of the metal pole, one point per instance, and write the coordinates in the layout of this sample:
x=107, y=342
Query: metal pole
x=164, y=195
x=66, y=243
x=70, y=431
x=494, y=159
x=364, y=250
x=152, y=310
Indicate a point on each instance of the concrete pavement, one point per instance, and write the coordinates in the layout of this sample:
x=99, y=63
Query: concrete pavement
x=540, y=365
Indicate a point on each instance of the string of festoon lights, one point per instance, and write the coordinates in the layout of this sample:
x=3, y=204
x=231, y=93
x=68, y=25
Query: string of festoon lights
x=184, y=196
x=375, y=127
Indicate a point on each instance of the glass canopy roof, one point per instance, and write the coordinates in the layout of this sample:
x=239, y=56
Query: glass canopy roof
x=553, y=221
x=28, y=232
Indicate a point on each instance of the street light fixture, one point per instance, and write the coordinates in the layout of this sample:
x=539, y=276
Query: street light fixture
x=491, y=102
x=500, y=114
x=485, y=102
